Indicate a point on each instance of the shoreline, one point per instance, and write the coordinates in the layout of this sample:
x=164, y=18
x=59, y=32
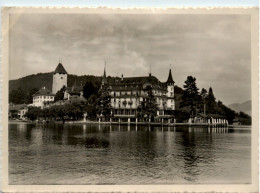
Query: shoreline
x=132, y=123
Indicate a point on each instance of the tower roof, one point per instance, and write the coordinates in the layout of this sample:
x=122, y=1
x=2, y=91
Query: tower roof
x=170, y=79
x=104, y=78
x=60, y=69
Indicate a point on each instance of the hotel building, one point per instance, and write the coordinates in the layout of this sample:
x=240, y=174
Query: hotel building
x=128, y=93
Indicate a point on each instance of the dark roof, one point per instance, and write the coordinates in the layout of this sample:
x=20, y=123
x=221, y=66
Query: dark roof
x=104, y=78
x=44, y=92
x=170, y=80
x=60, y=69
x=202, y=115
x=17, y=107
x=74, y=89
x=137, y=83
x=139, y=80
x=216, y=116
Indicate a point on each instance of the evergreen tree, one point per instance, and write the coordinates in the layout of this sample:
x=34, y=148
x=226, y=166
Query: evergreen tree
x=149, y=106
x=104, y=102
x=203, y=95
x=60, y=94
x=88, y=89
x=190, y=98
x=30, y=95
x=211, y=101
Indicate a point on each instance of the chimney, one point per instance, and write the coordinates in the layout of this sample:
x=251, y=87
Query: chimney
x=122, y=78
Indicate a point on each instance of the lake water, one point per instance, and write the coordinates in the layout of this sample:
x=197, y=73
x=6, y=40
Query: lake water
x=102, y=154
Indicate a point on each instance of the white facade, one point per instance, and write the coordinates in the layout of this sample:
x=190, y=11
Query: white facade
x=59, y=80
x=170, y=97
x=43, y=95
x=22, y=112
x=38, y=101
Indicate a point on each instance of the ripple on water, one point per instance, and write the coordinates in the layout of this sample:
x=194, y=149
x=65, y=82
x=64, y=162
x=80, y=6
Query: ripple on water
x=78, y=154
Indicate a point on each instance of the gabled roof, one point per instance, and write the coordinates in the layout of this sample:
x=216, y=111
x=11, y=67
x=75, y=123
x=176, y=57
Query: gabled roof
x=74, y=89
x=170, y=79
x=44, y=92
x=202, y=115
x=17, y=107
x=60, y=69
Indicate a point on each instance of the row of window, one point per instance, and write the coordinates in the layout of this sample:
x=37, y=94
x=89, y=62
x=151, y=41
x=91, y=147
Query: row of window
x=131, y=102
x=141, y=99
x=43, y=97
x=136, y=93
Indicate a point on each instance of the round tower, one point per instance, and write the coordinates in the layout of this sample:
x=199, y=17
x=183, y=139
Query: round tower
x=60, y=77
x=170, y=92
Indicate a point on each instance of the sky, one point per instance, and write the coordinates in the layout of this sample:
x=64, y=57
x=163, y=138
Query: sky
x=213, y=48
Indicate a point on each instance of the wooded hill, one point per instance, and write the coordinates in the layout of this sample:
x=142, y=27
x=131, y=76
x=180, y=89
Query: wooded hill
x=45, y=79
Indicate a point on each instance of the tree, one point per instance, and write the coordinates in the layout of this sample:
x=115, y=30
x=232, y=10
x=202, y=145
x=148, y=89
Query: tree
x=33, y=113
x=104, y=102
x=211, y=101
x=91, y=111
x=60, y=94
x=190, y=97
x=244, y=118
x=149, y=106
x=204, y=95
x=29, y=99
x=88, y=89
x=17, y=96
x=221, y=109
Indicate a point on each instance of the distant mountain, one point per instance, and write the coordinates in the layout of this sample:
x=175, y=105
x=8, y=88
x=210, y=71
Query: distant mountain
x=244, y=107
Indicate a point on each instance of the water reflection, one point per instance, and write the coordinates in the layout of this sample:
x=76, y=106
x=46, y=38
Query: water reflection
x=127, y=154
x=36, y=137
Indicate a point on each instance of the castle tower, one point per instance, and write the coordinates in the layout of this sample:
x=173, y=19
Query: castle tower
x=170, y=92
x=59, y=78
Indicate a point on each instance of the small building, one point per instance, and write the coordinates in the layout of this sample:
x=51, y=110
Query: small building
x=201, y=118
x=42, y=96
x=18, y=111
x=236, y=122
x=72, y=92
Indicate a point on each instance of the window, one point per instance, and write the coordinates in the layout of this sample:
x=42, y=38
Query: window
x=61, y=77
